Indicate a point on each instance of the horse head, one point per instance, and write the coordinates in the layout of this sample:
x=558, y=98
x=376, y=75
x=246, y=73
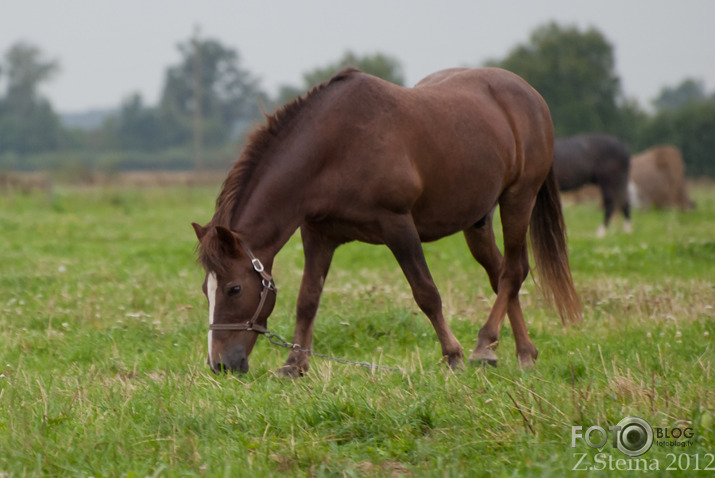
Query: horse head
x=240, y=293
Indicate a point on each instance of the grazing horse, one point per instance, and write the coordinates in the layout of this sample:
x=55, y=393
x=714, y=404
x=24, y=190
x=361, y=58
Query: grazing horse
x=658, y=179
x=598, y=159
x=359, y=158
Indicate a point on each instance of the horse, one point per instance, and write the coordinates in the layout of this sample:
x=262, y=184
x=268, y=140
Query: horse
x=359, y=158
x=657, y=179
x=599, y=159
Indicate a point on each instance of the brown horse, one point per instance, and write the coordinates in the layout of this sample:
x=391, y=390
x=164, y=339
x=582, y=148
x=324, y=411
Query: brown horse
x=658, y=179
x=359, y=158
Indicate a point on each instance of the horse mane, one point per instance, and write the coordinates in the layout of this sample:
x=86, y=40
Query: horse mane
x=259, y=141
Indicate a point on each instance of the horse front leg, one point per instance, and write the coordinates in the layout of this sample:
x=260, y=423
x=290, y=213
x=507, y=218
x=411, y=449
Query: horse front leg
x=400, y=235
x=318, y=252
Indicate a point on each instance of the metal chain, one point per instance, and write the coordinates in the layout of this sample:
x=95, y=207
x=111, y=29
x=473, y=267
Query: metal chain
x=279, y=341
x=275, y=339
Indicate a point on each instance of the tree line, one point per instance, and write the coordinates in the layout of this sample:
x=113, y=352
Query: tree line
x=209, y=101
x=574, y=71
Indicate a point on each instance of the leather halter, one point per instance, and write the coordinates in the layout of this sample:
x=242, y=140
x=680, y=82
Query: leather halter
x=267, y=285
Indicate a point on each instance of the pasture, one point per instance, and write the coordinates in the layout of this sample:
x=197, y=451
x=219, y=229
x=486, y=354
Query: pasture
x=103, y=351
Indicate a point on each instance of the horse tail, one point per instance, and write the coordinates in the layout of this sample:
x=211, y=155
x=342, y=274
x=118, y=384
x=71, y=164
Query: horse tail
x=548, y=242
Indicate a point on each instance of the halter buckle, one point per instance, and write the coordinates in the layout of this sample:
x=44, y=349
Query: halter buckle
x=257, y=265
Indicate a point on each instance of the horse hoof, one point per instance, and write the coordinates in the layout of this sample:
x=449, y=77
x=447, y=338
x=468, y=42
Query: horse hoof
x=481, y=362
x=485, y=355
x=290, y=371
x=527, y=357
x=526, y=363
x=455, y=363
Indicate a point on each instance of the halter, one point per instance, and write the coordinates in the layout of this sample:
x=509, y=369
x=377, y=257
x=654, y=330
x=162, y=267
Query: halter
x=267, y=285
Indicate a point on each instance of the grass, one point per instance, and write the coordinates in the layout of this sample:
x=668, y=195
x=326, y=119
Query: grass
x=104, y=334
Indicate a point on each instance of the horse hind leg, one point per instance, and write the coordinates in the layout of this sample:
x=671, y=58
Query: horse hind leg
x=615, y=197
x=608, y=206
x=482, y=245
x=625, y=205
x=627, y=226
x=510, y=274
x=400, y=235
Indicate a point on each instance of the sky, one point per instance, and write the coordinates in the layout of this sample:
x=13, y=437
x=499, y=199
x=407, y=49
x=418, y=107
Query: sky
x=108, y=50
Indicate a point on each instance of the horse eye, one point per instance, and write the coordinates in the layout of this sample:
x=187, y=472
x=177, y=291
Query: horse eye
x=234, y=291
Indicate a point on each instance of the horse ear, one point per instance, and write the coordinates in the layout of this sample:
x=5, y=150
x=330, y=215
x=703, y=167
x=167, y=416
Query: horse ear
x=227, y=238
x=199, y=230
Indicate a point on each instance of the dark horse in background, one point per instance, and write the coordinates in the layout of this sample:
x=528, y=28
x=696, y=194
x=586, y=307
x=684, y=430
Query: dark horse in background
x=598, y=159
x=359, y=158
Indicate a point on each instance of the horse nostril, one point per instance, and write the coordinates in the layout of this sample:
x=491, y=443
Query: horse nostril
x=236, y=360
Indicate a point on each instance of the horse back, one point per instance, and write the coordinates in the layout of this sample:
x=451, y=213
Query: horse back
x=443, y=151
x=489, y=119
x=587, y=158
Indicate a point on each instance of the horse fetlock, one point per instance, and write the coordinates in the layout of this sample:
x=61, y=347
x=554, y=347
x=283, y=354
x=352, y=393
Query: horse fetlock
x=487, y=340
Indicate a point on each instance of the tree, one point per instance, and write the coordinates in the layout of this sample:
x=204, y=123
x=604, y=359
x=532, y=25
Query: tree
x=229, y=95
x=27, y=122
x=574, y=72
x=685, y=117
x=692, y=129
x=688, y=91
x=378, y=64
x=138, y=127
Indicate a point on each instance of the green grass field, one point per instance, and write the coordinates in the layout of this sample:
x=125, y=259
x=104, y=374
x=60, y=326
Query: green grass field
x=103, y=349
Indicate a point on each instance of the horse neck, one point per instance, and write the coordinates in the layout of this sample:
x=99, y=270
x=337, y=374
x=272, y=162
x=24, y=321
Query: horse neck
x=271, y=213
x=277, y=196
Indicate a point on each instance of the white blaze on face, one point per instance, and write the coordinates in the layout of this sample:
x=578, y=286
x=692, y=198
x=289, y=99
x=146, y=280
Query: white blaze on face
x=211, y=288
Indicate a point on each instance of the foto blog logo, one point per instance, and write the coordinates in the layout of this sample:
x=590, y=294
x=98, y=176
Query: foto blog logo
x=632, y=436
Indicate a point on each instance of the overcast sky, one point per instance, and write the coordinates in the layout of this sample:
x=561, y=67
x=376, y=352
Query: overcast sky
x=110, y=49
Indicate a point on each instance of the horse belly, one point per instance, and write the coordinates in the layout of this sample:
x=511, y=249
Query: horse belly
x=453, y=203
x=433, y=225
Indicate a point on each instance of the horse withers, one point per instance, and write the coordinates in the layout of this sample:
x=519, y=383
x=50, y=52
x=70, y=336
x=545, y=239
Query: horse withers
x=598, y=159
x=359, y=158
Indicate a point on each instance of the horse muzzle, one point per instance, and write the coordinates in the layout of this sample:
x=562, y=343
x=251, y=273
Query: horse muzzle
x=235, y=360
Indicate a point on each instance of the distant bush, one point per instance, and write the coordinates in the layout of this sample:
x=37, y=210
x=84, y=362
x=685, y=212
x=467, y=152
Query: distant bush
x=692, y=129
x=69, y=162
